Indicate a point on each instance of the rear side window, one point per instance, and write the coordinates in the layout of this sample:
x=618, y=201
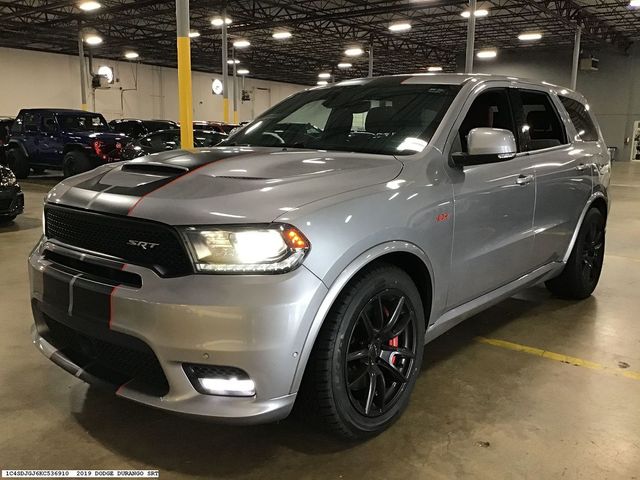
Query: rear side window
x=581, y=119
x=31, y=122
x=541, y=121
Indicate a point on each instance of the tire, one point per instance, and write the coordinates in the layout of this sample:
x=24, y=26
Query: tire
x=338, y=392
x=75, y=162
x=18, y=162
x=580, y=276
x=8, y=219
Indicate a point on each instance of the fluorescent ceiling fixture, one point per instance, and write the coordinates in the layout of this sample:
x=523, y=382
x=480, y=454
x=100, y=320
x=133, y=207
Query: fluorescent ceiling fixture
x=322, y=82
x=324, y=75
x=344, y=65
x=243, y=71
x=231, y=61
x=241, y=43
x=487, y=54
x=481, y=12
x=529, y=37
x=353, y=52
x=194, y=34
x=93, y=39
x=106, y=72
x=434, y=69
x=217, y=21
x=400, y=27
x=281, y=35
x=131, y=55
x=89, y=6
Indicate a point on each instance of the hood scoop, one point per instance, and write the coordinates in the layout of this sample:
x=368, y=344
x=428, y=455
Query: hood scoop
x=154, y=168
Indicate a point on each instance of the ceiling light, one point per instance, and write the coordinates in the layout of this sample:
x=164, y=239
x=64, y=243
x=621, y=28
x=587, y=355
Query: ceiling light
x=487, y=54
x=481, y=12
x=241, y=43
x=194, y=34
x=634, y=3
x=324, y=75
x=344, y=65
x=400, y=27
x=217, y=21
x=353, y=52
x=231, y=61
x=89, y=6
x=322, y=82
x=281, y=35
x=243, y=71
x=529, y=37
x=131, y=55
x=434, y=69
x=93, y=39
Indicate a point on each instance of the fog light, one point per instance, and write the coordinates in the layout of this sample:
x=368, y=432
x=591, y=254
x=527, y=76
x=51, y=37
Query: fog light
x=232, y=387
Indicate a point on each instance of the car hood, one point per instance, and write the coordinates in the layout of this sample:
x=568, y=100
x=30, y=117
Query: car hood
x=222, y=185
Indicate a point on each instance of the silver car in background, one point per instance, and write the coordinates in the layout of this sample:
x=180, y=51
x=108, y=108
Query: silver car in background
x=310, y=257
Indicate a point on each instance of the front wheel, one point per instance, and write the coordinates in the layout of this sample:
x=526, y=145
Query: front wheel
x=18, y=162
x=582, y=272
x=75, y=162
x=367, y=355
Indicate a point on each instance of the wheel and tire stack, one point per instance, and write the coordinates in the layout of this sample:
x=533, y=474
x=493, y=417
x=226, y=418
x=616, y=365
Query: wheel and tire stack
x=580, y=276
x=18, y=162
x=75, y=162
x=367, y=356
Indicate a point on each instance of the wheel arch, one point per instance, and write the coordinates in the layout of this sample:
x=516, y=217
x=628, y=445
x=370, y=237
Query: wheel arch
x=404, y=255
x=598, y=200
x=16, y=144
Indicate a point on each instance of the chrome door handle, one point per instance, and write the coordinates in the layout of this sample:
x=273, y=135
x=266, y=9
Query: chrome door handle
x=524, y=179
x=582, y=167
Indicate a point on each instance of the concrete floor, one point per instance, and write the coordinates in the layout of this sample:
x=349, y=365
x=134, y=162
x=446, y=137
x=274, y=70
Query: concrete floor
x=479, y=411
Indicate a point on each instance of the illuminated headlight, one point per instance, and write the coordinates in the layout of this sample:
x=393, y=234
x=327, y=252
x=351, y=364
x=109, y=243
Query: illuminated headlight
x=7, y=178
x=269, y=249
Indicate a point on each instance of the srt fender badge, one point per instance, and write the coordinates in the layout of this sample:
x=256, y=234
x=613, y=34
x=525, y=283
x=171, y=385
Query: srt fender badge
x=142, y=245
x=443, y=217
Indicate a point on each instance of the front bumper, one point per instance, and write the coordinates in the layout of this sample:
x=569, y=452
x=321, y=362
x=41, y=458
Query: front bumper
x=11, y=201
x=255, y=323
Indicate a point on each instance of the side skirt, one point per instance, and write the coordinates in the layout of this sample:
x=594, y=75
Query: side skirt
x=457, y=315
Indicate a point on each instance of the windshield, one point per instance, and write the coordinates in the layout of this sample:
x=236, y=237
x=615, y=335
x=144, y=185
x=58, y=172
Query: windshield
x=397, y=119
x=83, y=123
x=155, y=125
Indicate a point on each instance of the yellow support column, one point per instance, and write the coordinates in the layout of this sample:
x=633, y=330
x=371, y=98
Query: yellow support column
x=185, y=96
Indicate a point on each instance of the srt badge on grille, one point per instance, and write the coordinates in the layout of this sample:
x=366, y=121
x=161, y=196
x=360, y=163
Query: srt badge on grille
x=142, y=245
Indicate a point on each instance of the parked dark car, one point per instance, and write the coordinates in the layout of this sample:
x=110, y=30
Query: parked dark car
x=214, y=126
x=169, y=140
x=11, y=196
x=5, y=128
x=134, y=128
x=73, y=141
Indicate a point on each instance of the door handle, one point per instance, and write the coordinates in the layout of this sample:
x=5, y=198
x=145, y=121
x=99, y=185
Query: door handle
x=582, y=167
x=524, y=179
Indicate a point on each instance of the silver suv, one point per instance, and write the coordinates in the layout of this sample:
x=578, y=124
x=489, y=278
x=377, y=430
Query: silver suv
x=311, y=256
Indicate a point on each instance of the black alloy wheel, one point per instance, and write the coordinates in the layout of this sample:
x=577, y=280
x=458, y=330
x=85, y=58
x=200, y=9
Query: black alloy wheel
x=381, y=353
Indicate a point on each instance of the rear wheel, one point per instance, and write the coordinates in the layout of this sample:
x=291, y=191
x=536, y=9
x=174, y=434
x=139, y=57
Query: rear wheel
x=8, y=219
x=368, y=354
x=18, y=162
x=582, y=272
x=75, y=162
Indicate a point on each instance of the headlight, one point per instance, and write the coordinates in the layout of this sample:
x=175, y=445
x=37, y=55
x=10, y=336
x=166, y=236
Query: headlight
x=7, y=178
x=268, y=249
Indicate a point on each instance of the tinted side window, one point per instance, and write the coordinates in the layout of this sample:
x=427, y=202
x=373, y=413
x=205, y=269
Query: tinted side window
x=580, y=118
x=544, y=126
x=490, y=110
x=31, y=122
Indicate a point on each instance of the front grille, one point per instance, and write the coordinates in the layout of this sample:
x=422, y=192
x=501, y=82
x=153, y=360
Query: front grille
x=110, y=235
x=135, y=365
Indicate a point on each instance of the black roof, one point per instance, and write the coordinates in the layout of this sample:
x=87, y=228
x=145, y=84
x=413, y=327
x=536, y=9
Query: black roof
x=57, y=110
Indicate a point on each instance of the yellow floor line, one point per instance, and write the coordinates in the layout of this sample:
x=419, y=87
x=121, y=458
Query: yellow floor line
x=558, y=357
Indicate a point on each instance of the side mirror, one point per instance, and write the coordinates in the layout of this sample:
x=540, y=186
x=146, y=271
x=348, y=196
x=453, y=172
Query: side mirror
x=487, y=145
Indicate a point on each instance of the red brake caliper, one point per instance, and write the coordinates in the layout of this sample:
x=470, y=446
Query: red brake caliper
x=393, y=343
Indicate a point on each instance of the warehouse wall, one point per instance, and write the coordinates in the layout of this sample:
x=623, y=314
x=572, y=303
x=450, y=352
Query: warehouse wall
x=36, y=79
x=613, y=91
